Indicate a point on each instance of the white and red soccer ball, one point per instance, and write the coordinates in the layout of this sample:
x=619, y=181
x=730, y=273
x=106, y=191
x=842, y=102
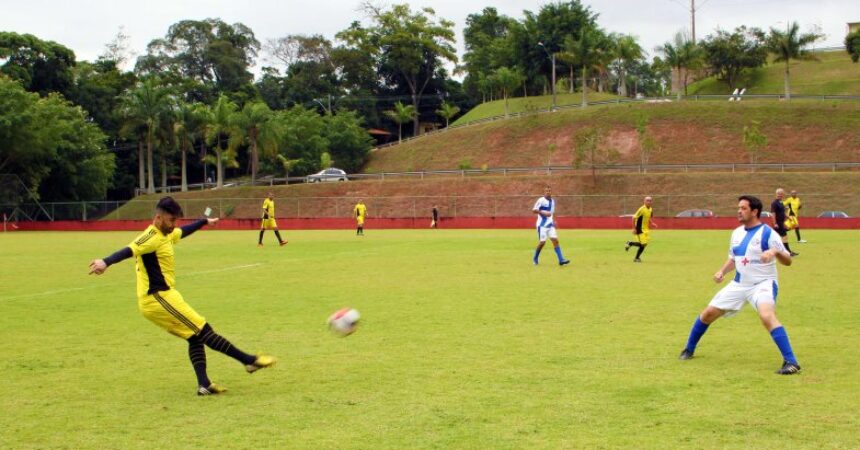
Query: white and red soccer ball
x=344, y=321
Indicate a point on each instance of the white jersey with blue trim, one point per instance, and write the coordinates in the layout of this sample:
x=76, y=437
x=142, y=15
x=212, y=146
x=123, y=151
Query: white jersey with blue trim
x=746, y=248
x=545, y=204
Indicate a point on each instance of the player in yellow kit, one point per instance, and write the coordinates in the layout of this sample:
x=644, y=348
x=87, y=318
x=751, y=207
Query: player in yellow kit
x=792, y=211
x=642, y=224
x=269, y=222
x=360, y=212
x=160, y=302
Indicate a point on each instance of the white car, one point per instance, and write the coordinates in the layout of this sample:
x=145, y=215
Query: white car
x=330, y=174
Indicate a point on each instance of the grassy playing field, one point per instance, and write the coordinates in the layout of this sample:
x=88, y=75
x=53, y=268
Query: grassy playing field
x=463, y=344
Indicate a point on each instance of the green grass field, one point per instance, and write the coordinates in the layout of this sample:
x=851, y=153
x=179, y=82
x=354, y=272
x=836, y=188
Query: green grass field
x=533, y=103
x=464, y=344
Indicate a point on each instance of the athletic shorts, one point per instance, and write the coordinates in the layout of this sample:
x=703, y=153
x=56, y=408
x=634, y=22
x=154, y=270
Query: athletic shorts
x=792, y=222
x=732, y=297
x=168, y=310
x=546, y=232
x=359, y=220
x=643, y=237
x=269, y=224
x=781, y=230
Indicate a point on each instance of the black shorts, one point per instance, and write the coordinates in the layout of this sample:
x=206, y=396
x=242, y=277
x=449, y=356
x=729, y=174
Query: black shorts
x=782, y=231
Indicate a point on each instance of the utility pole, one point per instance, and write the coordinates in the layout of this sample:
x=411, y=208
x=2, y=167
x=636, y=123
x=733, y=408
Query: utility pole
x=693, y=18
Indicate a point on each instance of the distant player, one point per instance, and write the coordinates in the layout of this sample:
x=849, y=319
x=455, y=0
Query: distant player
x=777, y=208
x=434, y=223
x=792, y=207
x=160, y=302
x=360, y=212
x=752, y=254
x=642, y=224
x=269, y=222
x=545, y=210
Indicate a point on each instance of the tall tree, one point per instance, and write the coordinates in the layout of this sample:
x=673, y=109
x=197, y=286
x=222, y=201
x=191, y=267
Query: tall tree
x=683, y=55
x=627, y=52
x=146, y=103
x=256, y=124
x=189, y=122
x=488, y=46
x=40, y=66
x=401, y=113
x=447, y=111
x=506, y=80
x=223, y=132
x=729, y=54
x=585, y=51
x=791, y=44
x=348, y=140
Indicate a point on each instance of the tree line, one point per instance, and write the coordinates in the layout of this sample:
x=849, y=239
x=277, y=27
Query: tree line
x=191, y=106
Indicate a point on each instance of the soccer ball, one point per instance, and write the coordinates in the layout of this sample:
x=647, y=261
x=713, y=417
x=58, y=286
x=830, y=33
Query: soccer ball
x=344, y=321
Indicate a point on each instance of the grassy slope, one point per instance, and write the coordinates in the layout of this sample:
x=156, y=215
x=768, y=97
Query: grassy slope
x=686, y=132
x=612, y=194
x=463, y=345
x=834, y=74
x=522, y=104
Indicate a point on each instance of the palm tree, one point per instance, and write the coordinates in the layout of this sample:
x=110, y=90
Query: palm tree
x=134, y=128
x=683, y=55
x=400, y=114
x=627, y=51
x=447, y=111
x=507, y=80
x=187, y=127
x=146, y=103
x=205, y=120
x=223, y=130
x=256, y=123
x=166, y=138
x=790, y=45
x=583, y=51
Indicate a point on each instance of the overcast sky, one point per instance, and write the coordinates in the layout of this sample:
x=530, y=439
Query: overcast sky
x=86, y=26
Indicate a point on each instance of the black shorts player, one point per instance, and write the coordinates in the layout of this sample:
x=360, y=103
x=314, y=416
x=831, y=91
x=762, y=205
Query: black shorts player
x=777, y=208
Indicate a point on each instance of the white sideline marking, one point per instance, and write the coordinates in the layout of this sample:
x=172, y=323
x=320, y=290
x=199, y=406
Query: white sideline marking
x=101, y=286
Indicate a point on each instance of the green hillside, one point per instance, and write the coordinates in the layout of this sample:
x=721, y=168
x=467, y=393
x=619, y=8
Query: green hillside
x=523, y=104
x=833, y=74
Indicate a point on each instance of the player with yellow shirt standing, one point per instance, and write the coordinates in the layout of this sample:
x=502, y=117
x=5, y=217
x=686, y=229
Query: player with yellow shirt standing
x=360, y=212
x=160, y=302
x=269, y=222
x=792, y=211
x=642, y=224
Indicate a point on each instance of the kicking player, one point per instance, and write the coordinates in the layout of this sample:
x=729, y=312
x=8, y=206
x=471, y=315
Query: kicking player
x=753, y=252
x=160, y=302
x=642, y=224
x=792, y=207
x=545, y=210
x=269, y=222
x=360, y=212
x=777, y=208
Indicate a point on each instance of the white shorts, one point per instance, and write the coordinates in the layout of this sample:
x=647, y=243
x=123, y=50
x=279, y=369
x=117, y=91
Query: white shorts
x=732, y=297
x=546, y=232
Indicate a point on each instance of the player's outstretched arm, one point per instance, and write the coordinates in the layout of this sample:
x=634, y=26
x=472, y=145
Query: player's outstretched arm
x=187, y=230
x=99, y=266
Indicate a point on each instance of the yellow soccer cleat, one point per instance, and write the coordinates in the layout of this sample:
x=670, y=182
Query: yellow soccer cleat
x=212, y=389
x=261, y=362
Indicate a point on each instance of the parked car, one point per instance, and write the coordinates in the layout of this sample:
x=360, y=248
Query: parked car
x=834, y=214
x=330, y=174
x=695, y=213
x=766, y=214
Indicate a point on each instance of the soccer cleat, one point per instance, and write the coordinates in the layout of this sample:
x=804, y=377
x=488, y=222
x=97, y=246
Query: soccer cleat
x=627, y=246
x=637, y=260
x=261, y=362
x=564, y=262
x=788, y=368
x=260, y=245
x=793, y=254
x=802, y=241
x=212, y=389
x=686, y=354
x=283, y=243
x=535, y=261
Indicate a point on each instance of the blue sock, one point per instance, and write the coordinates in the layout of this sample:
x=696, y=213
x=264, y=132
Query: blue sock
x=696, y=333
x=780, y=337
x=537, y=254
x=558, y=252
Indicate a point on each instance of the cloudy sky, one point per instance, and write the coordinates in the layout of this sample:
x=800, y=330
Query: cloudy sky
x=86, y=26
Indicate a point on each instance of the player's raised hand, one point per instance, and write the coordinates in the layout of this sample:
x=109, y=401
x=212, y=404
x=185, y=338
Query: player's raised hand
x=98, y=267
x=212, y=220
x=767, y=256
x=718, y=277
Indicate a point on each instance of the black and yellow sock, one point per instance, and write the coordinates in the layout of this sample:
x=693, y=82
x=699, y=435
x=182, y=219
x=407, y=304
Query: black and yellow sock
x=635, y=244
x=797, y=232
x=641, y=249
x=787, y=247
x=278, y=235
x=260, y=241
x=218, y=343
x=197, y=354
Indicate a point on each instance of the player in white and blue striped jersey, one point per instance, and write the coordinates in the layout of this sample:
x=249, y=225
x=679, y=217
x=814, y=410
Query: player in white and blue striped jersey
x=753, y=252
x=545, y=210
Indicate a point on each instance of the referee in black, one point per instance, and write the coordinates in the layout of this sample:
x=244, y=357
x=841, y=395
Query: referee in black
x=777, y=208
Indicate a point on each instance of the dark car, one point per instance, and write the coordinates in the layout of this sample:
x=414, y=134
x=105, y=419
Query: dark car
x=330, y=174
x=695, y=213
x=834, y=214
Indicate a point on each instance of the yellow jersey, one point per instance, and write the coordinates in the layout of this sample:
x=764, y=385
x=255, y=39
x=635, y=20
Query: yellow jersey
x=153, y=252
x=269, y=208
x=792, y=206
x=360, y=210
x=642, y=219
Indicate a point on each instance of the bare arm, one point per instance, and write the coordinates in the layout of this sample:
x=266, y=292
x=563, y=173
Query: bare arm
x=728, y=266
x=783, y=257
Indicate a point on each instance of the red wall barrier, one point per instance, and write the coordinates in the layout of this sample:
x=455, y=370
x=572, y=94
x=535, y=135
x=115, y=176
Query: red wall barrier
x=610, y=223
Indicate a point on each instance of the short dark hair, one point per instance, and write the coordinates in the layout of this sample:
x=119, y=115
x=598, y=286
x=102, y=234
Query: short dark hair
x=169, y=206
x=754, y=202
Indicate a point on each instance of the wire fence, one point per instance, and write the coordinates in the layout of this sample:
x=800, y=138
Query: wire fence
x=449, y=206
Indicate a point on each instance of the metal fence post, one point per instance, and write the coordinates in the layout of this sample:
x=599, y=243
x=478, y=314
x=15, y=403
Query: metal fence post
x=84, y=210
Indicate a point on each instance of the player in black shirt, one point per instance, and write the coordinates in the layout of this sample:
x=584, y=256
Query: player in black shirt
x=777, y=208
